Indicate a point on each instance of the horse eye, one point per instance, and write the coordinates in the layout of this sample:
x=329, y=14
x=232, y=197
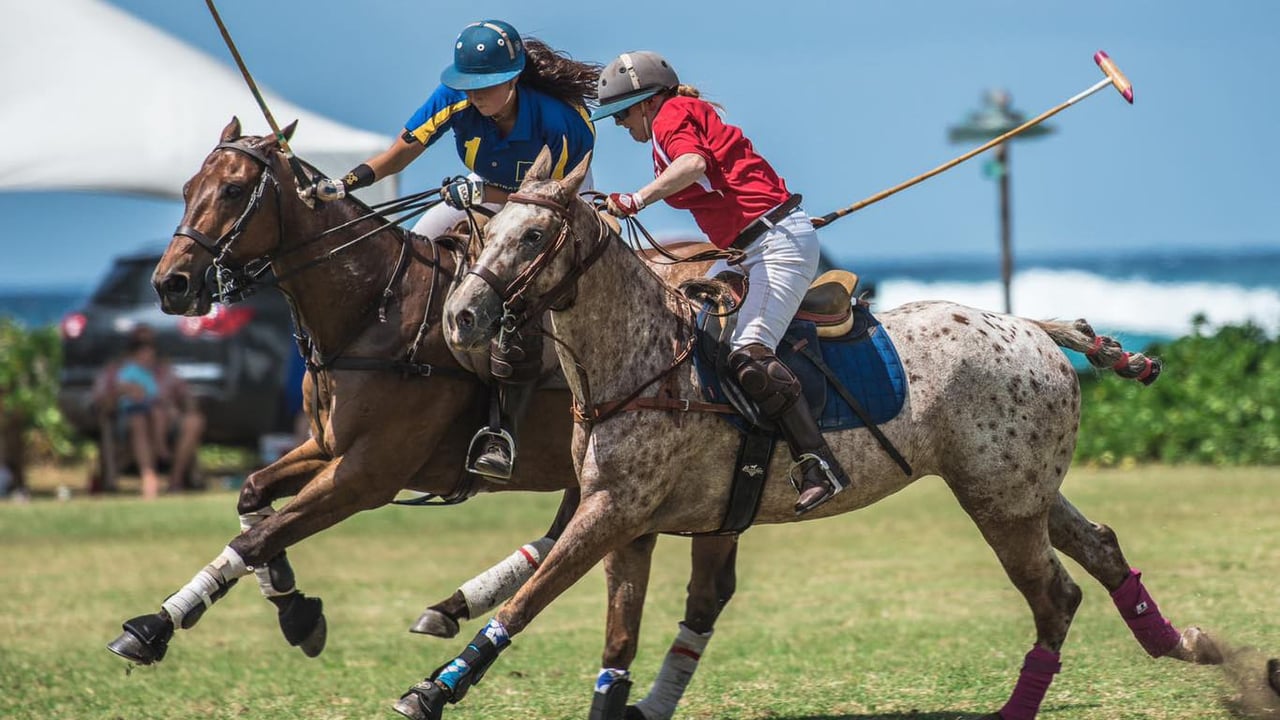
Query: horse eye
x=533, y=236
x=232, y=191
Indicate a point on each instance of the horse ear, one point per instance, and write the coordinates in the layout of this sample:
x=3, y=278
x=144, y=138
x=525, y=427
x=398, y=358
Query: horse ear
x=573, y=180
x=541, y=169
x=288, y=130
x=231, y=132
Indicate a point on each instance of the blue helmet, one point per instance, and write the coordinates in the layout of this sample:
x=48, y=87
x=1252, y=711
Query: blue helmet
x=486, y=53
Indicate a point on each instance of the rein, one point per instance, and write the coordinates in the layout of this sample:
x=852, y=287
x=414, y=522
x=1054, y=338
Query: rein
x=237, y=282
x=519, y=312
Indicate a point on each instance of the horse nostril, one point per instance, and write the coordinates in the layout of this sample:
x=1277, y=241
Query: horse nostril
x=466, y=319
x=175, y=284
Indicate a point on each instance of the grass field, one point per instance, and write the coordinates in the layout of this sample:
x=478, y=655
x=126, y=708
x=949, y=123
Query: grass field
x=899, y=611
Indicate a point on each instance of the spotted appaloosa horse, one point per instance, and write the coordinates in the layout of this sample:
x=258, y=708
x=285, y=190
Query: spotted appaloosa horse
x=993, y=409
x=390, y=408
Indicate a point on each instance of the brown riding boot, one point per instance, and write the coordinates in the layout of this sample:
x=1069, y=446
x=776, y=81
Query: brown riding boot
x=821, y=476
x=775, y=389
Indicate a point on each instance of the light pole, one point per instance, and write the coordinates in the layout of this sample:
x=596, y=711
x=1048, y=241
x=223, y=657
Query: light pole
x=993, y=119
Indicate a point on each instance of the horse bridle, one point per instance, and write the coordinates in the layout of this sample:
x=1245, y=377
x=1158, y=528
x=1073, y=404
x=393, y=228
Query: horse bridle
x=517, y=310
x=234, y=283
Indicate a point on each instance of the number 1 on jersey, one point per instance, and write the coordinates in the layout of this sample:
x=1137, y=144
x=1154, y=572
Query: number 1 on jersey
x=473, y=147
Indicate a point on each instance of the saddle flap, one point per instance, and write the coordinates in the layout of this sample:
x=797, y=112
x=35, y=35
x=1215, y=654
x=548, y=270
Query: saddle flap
x=863, y=359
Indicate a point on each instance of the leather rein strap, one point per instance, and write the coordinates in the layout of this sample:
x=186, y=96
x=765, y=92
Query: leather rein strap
x=520, y=314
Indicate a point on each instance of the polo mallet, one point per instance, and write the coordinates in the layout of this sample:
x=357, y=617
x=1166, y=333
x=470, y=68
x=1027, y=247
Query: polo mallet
x=253, y=87
x=1113, y=77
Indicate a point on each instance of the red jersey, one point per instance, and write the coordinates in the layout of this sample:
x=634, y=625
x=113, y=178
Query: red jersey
x=738, y=186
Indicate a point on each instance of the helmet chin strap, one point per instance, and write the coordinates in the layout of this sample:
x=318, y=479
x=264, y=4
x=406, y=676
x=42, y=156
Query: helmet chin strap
x=648, y=121
x=502, y=110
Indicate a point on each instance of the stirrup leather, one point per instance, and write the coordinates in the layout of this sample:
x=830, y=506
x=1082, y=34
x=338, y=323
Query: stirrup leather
x=797, y=480
x=478, y=443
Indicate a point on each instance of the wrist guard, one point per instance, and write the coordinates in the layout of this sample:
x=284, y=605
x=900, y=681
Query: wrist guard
x=360, y=176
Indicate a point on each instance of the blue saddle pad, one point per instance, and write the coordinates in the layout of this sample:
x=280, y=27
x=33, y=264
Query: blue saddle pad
x=864, y=360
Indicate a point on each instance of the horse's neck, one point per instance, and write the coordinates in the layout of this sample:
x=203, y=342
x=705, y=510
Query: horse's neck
x=623, y=326
x=336, y=298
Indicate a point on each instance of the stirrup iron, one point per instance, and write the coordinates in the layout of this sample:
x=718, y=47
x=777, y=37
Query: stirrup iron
x=478, y=443
x=797, y=481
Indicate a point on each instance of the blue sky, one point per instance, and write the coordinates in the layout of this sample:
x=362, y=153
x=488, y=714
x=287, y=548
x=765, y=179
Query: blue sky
x=844, y=98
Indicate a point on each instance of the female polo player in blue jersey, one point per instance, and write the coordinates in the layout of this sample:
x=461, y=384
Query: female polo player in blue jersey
x=504, y=98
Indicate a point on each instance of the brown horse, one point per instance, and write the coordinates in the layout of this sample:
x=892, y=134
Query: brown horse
x=993, y=408
x=390, y=407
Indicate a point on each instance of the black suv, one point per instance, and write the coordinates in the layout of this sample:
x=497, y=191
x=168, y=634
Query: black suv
x=238, y=360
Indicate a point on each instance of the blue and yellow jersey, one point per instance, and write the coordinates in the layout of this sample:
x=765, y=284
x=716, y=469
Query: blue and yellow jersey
x=503, y=161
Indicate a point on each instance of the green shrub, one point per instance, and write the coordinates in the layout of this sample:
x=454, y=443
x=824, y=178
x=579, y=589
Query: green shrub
x=1217, y=402
x=29, y=365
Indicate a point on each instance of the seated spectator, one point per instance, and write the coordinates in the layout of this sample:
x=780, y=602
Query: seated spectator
x=154, y=410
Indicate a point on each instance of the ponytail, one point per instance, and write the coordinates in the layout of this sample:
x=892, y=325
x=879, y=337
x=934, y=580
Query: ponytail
x=685, y=90
x=553, y=72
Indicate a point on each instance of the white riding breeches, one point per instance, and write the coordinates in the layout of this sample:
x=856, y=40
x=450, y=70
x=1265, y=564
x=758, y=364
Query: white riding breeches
x=779, y=266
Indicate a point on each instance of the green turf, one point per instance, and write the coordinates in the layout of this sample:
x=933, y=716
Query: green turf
x=899, y=611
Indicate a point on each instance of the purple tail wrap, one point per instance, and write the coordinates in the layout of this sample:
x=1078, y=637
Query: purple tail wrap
x=1038, y=669
x=1157, y=635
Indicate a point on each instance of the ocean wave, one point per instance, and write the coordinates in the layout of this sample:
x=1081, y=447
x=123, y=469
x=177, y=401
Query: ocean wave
x=1110, y=305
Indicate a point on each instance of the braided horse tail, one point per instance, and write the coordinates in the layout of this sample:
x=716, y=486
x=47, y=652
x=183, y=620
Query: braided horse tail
x=1102, y=351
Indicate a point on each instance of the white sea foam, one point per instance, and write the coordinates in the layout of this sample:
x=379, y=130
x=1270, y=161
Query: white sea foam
x=1110, y=305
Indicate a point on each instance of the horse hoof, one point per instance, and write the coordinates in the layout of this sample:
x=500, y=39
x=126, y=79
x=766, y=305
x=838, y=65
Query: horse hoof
x=424, y=701
x=1273, y=674
x=313, y=645
x=1196, y=646
x=302, y=622
x=145, y=639
x=436, y=624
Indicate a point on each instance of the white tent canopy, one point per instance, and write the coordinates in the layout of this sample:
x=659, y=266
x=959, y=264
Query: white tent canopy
x=96, y=99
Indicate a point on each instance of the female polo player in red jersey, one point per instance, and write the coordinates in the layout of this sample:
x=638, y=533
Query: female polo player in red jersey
x=708, y=167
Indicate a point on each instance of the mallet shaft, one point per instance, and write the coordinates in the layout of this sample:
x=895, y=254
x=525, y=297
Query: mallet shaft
x=253, y=86
x=833, y=216
x=1113, y=78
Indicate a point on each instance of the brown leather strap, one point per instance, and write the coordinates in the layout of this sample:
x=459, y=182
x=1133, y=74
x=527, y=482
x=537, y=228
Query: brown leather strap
x=651, y=403
x=548, y=203
x=757, y=227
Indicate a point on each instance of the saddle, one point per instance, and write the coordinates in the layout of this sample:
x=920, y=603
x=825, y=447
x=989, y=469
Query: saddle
x=828, y=303
x=848, y=368
x=833, y=339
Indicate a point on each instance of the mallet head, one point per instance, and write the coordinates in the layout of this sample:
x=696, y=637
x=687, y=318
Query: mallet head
x=1121, y=83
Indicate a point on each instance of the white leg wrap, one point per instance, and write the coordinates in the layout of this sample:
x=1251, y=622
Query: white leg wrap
x=247, y=521
x=484, y=591
x=224, y=568
x=677, y=670
x=264, y=583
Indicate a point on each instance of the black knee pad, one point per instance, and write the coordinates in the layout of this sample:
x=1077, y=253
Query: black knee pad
x=764, y=377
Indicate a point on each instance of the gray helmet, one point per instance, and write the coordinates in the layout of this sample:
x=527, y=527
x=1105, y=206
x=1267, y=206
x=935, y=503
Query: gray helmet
x=631, y=78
